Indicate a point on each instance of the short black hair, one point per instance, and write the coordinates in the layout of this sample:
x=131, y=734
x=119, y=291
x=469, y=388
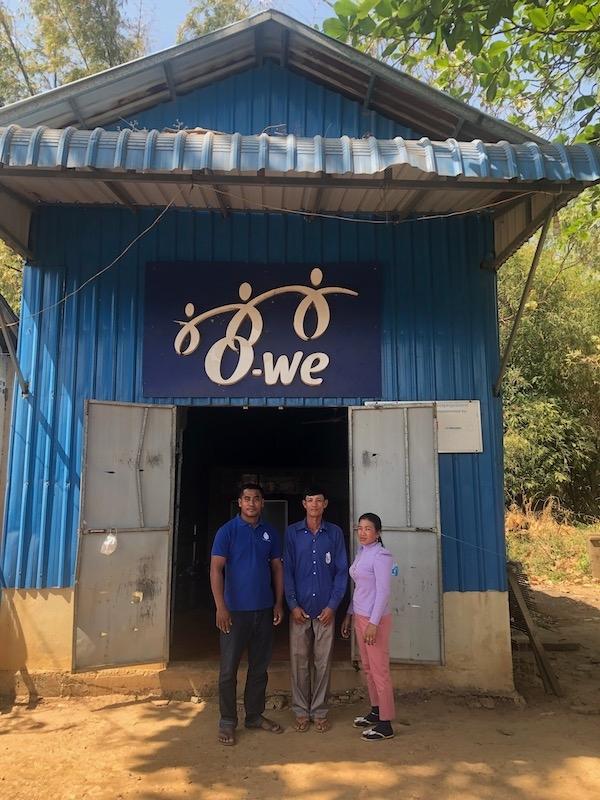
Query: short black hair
x=311, y=491
x=255, y=487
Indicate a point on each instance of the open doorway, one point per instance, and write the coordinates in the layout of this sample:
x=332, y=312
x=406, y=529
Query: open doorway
x=284, y=450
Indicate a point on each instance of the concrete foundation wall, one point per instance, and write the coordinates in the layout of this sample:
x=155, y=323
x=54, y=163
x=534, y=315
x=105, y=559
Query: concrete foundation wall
x=36, y=647
x=36, y=629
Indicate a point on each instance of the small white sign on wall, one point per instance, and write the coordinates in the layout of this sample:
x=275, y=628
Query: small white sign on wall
x=459, y=426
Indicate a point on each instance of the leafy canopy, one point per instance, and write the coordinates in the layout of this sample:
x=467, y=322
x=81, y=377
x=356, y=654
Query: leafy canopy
x=205, y=16
x=537, y=62
x=551, y=392
x=47, y=43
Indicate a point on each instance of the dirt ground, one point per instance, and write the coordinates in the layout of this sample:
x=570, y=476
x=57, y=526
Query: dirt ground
x=445, y=748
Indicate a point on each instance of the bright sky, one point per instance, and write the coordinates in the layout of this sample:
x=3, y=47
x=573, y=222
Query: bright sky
x=165, y=16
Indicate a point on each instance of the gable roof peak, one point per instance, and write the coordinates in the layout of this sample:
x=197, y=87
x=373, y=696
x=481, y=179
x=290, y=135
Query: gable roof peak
x=127, y=89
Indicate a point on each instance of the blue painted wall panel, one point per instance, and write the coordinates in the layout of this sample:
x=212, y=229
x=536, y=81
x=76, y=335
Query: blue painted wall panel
x=259, y=99
x=439, y=341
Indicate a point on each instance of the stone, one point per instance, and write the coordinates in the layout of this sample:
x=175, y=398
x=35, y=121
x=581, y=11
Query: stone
x=488, y=702
x=276, y=702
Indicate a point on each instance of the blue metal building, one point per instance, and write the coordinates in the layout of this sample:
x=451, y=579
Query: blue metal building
x=258, y=154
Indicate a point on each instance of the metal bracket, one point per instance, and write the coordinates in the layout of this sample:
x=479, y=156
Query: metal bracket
x=13, y=356
x=524, y=298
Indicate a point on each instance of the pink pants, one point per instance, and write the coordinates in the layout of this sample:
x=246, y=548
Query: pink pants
x=375, y=660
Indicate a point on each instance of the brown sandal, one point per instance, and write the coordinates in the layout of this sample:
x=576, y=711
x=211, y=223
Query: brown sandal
x=302, y=724
x=265, y=724
x=226, y=735
x=322, y=725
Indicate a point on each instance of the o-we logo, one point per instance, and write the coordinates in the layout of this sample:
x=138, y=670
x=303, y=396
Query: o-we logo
x=257, y=330
x=246, y=326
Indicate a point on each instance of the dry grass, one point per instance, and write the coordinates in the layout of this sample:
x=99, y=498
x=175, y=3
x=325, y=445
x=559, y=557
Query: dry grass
x=549, y=544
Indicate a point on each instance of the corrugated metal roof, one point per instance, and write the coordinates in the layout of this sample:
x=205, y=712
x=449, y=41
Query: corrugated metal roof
x=190, y=151
x=125, y=90
x=226, y=172
x=222, y=154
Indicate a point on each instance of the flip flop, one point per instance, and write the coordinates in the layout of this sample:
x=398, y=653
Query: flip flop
x=302, y=724
x=375, y=736
x=322, y=725
x=265, y=724
x=365, y=722
x=226, y=735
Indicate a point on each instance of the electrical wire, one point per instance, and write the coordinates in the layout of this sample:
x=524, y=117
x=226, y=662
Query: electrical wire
x=104, y=269
x=311, y=214
x=264, y=207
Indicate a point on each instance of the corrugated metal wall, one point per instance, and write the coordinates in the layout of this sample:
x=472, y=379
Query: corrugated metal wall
x=439, y=342
x=267, y=96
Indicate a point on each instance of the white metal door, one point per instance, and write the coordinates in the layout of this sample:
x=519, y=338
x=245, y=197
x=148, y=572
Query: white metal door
x=394, y=474
x=122, y=597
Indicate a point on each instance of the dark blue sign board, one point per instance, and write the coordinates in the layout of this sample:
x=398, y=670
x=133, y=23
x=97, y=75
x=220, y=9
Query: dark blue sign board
x=254, y=330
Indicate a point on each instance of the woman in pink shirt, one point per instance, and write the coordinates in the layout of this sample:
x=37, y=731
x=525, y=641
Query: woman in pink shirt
x=371, y=572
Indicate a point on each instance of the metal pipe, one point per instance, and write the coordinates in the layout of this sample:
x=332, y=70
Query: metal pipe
x=524, y=298
x=12, y=355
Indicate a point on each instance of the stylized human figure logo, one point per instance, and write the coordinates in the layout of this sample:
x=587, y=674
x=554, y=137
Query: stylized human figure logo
x=246, y=312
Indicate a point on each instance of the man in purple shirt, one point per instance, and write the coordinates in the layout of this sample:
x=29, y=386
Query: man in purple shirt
x=315, y=578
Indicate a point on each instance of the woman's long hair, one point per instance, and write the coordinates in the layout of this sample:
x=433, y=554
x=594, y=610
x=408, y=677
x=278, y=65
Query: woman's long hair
x=376, y=521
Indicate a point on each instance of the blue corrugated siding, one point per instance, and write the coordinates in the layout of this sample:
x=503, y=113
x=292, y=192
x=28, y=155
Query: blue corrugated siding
x=439, y=341
x=259, y=98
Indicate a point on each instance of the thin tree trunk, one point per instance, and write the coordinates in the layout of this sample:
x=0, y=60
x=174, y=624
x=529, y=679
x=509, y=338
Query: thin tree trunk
x=17, y=55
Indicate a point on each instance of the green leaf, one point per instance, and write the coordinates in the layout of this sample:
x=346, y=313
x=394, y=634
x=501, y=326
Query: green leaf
x=405, y=11
x=491, y=92
x=481, y=65
x=493, y=16
x=385, y=8
x=475, y=42
x=538, y=18
x=503, y=78
x=389, y=50
x=335, y=28
x=497, y=47
x=365, y=8
x=585, y=101
x=345, y=8
x=365, y=26
x=580, y=14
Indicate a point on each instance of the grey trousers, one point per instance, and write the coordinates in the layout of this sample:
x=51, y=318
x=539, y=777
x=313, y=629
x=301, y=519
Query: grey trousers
x=311, y=648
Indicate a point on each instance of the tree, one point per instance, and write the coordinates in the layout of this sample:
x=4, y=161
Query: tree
x=11, y=276
x=205, y=16
x=51, y=42
x=551, y=392
x=537, y=62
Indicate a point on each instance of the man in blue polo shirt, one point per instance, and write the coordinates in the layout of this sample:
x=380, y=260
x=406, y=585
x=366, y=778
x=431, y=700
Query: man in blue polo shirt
x=246, y=578
x=316, y=573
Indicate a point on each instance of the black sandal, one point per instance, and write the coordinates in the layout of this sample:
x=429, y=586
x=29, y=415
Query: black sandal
x=377, y=733
x=367, y=721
